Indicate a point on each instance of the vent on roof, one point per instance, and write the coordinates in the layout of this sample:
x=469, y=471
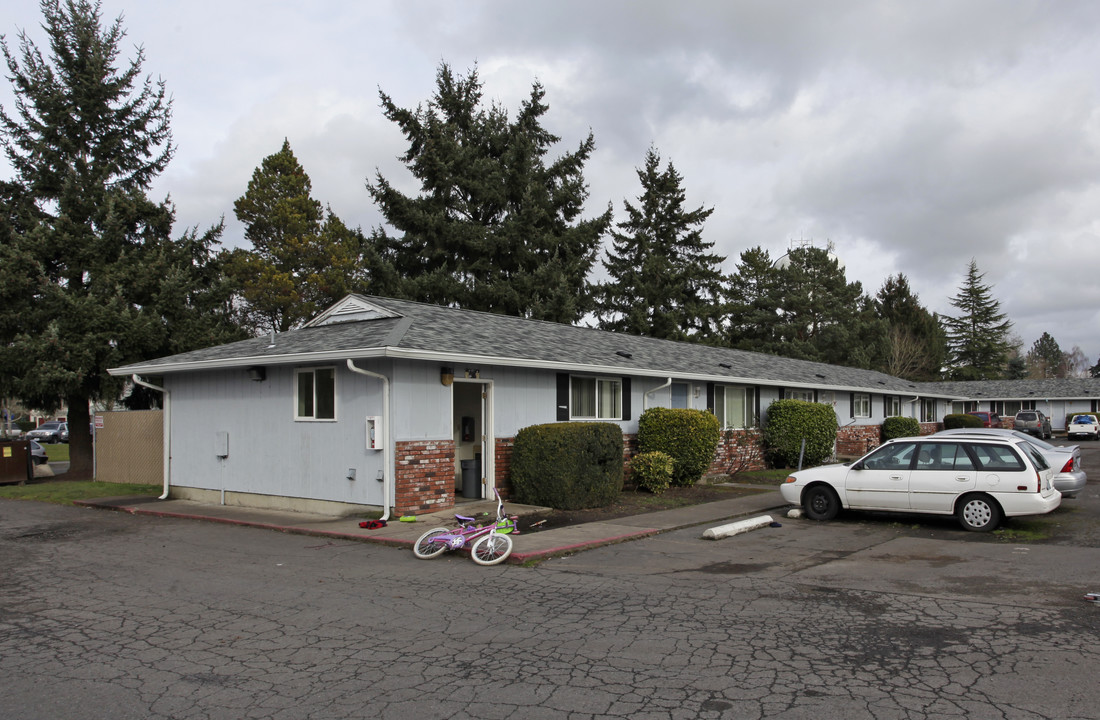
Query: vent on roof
x=819, y=375
x=351, y=309
x=626, y=355
x=725, y=365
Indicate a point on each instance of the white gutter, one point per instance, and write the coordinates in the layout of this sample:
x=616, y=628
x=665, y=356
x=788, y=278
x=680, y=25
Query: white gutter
x=167, y=424
x=647, y=393
x=387, y=421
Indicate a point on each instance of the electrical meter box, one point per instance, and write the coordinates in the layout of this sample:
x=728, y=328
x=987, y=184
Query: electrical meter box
x=374, y=432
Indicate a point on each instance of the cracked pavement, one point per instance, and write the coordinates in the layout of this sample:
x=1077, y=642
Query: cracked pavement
x=111, y=615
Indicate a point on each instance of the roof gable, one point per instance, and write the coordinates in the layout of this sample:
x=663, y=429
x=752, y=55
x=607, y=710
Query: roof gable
x=353, y=308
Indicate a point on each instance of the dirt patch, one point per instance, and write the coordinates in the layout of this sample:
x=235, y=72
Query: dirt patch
x=634, y=502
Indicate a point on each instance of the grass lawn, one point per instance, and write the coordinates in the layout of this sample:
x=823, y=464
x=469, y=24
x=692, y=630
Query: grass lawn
x=57, y=453
x=65, y=492
x=762, y=477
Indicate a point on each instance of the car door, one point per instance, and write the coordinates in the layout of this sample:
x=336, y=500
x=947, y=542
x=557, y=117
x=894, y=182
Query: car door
x=881, y=480
x=942, y=472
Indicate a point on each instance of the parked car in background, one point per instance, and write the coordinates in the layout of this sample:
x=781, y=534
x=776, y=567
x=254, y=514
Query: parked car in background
x=50, y=432
x=38, y=453
x=978, y=479
x=1069, y=477
x=989, y=419
x=1033, y=422
x=1085, y=426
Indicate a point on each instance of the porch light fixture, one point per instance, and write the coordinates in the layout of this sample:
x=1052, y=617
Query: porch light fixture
x=446, y=375
x=257, y=374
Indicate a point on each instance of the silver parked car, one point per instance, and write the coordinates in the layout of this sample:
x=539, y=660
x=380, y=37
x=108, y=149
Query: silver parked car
x=1069, y=476
x=38, y=453
x=1033, y=422
x=50, y=432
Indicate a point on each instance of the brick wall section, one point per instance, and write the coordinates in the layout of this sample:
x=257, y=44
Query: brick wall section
x=425, y=476
x=738, y=451
x=502, y=454
x=929, y=428
x=857, y=440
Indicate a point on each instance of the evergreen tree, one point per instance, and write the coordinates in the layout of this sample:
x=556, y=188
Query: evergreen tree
x=494, y=227
x=978, y=338
x=1015, y=368
x=665, y=282
x=90, y=276
x=822, y=316
x=918, y=345
x=303, y=258
x=1046, y=359
x=753, y=297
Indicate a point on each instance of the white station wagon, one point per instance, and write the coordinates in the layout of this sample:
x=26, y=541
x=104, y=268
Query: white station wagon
x=978, y=480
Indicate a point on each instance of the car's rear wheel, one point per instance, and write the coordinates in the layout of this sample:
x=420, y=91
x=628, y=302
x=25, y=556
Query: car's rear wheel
x=978, y=513
x=820, y=502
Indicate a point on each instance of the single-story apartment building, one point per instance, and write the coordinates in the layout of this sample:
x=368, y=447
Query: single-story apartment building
x=1058, y=398
x=409, y=406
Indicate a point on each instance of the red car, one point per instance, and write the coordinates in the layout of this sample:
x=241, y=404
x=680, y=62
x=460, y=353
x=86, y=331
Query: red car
x=989, y=419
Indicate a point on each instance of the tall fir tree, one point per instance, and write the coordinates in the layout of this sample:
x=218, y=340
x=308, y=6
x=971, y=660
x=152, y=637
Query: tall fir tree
x=1046, y=358
x=90, y=277
x=978, y=338
x=752, y=302
x=303, y=257
x=495, y=227
x=665, y=282
x=917, y=342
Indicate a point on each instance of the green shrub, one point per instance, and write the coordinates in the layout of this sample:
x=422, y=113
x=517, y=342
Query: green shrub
x=568, y=466
x=791, y=421
x=961, y=420
x=652, y=471
x=895, y=427
x=689, y=437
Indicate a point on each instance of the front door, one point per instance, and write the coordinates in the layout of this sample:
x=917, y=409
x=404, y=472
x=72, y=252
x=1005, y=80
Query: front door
x=473, y=439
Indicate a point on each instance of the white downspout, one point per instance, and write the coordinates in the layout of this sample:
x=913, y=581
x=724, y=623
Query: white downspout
x=647, y=393
x=167, y=424
x=387, y=461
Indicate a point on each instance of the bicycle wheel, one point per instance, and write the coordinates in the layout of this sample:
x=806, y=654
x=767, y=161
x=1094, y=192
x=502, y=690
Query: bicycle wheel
x=491, y=549
x=425, y=549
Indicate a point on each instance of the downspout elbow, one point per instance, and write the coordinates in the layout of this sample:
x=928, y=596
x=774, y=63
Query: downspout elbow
x=647, y=393
x=167, y=425
x=387, y=456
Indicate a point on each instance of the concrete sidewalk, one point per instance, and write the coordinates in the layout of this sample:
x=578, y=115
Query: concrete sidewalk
x=529, y=546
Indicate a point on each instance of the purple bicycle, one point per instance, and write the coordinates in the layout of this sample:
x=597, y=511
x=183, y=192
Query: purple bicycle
x=489, y=544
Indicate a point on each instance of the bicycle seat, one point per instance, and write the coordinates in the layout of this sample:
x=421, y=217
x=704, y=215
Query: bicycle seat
x=463, y=519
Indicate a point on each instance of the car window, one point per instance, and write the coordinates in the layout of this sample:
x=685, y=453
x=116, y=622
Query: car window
x=943, y=456
x=1037, y=458
x=1026, y=416
x=998, y=458
x=895, y=456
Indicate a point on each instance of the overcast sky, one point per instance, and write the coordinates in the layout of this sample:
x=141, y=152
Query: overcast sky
x=913, y=136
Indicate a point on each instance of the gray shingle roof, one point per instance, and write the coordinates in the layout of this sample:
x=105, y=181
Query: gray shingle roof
x=419, y=330
x=1049, y=389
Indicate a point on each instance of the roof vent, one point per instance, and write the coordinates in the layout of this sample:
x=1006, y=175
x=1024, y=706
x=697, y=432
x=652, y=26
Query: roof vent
x=626, y=355
x=725, y=365
x=819, y=375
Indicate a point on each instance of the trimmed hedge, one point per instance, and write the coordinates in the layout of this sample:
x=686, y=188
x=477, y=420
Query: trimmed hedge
x=652, y=471
x=789, y=421
x=689, y=437
x=895, y=427
x=961, y=420
x=568, y=466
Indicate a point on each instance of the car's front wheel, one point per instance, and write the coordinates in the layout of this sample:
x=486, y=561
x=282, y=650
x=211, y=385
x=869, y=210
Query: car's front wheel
x=978, y=513
x=820, y=502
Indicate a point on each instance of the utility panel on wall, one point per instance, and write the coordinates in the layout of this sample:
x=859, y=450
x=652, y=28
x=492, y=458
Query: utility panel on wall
x=221, y=444
x=374, y=432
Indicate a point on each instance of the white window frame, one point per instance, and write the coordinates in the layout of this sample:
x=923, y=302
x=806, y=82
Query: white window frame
x=893, y=406
x=598, y=402
x=748, y=406
x=798, y=394
x=861, y=405
x=928, y=410
x=314, y=404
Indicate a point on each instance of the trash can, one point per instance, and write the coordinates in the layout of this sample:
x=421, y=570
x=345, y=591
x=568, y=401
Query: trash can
x=16, y=464
x=471, y=482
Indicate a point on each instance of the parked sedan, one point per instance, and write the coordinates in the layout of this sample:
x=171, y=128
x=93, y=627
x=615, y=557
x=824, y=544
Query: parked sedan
x=1069, y=477
x=38, y=453
x=1084, y=425
x=989, y=419
x=50, y=432
x=979, y=480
